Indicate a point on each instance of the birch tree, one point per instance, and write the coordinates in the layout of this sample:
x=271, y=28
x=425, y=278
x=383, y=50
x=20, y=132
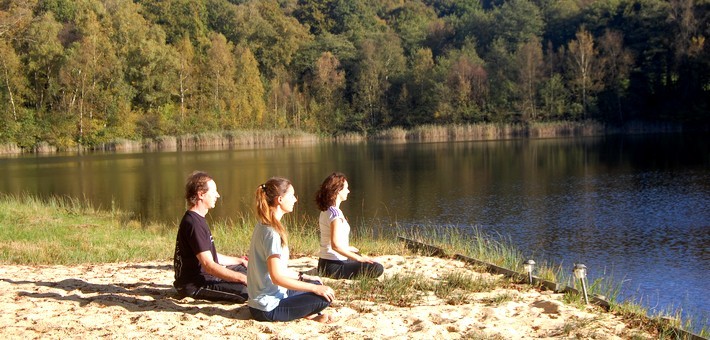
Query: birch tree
x=584, y=69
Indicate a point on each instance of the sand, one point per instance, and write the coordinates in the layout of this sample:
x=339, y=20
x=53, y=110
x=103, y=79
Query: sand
x=136, y=300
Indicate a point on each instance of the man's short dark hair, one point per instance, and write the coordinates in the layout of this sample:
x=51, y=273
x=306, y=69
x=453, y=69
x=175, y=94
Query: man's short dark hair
x=196, y=185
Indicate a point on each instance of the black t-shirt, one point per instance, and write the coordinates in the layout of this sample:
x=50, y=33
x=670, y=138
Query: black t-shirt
x=193, y=237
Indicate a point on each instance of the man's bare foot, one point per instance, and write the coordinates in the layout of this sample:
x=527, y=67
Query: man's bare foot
x=322, y=318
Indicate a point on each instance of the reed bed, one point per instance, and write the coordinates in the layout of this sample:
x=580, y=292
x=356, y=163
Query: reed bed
x=243, y=138
x=10, y=148
x=423, y=133
x=349, y=137
x=491, y=131
x=566, y=129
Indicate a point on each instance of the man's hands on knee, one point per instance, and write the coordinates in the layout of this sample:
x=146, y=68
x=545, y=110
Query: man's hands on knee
x=218, y=270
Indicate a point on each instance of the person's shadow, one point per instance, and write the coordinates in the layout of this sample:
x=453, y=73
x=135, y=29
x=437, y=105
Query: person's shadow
x=153, y=297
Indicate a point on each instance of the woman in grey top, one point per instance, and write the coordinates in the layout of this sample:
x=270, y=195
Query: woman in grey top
x=277, y=293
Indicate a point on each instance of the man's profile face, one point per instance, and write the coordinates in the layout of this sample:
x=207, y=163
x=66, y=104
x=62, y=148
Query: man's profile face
x=210, y=196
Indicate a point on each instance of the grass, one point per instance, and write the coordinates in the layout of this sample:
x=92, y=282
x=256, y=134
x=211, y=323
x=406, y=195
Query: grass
x=499, y=251
x=407, y=290
x=62, y=230
x=66, y=231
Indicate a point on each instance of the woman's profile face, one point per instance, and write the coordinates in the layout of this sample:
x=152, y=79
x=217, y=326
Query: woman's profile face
x=288, y=200
x=343, y=193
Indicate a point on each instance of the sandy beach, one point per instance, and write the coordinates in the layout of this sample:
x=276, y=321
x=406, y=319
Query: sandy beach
x=136, y=300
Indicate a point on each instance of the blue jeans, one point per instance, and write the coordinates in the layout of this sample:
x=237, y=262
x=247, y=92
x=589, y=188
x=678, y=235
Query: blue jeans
x=297, y=305
x=348, y=269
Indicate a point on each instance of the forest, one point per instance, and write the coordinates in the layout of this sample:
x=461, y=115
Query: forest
x=85, y=72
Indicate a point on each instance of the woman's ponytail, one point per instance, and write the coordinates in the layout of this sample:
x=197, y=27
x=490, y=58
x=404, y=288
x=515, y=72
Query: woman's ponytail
x=266, y=200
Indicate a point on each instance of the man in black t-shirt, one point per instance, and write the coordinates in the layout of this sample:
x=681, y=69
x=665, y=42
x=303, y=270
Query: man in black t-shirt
x=200, y=271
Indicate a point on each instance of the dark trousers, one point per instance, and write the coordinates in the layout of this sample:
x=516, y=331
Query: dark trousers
x=220, y=290
x=298, y=304
x=349, y=269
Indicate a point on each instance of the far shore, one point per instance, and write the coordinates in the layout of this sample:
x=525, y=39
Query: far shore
x=425, y=133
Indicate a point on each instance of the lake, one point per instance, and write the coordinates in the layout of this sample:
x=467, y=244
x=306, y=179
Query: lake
x=635, y=207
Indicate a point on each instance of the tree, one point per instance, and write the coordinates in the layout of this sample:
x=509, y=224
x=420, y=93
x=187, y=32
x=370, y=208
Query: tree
x=516, y=22
x=529, y=64
x=617, y=62
x=555, y=97
x=43, y=56
x=186, y=73
x=15, y=16
x=12, y=84
x=327, y=86
x=88, y=79
x=279, y=100
x=411, y=22
x=314, y=14
x=178, y=18
x=462, y=86
x=217, y=88
x=690, y=68
x=423, y=96
x=149, y=71
x=262, y=26
x=381, y=60
x=249, y=90
x=503, y=80
x=554, y=94
x=584, y=70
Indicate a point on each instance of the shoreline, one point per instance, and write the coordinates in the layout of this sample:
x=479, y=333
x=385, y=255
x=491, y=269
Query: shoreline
x=426, y=133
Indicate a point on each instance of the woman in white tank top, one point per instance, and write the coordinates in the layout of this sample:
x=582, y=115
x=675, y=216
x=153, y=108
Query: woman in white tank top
x=337, y=258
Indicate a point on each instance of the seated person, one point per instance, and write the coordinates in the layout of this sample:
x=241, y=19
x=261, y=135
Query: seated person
x=200, y=271
x=337, y=259
x=277, y=293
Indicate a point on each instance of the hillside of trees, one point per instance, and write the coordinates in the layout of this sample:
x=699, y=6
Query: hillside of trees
x=84, y=72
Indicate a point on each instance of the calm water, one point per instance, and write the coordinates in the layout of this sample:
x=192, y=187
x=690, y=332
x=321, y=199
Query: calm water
x=635, y=207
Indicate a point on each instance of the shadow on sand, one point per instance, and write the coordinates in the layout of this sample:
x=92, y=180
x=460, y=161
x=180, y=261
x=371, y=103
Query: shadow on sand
x=134, y=297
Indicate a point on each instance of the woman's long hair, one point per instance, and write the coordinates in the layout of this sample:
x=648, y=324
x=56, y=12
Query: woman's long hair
x=325, y=197
x=266, y=201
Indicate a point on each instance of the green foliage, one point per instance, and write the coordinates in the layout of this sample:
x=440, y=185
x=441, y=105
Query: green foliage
x=516, y=22
x=84, y=72
x=178, y=17
x=250, y=106
x=64, y=10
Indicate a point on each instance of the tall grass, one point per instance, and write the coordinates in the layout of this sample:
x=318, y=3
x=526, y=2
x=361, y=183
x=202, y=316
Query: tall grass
x=491, y=131
x=473, y=242
x=63, y=230
x=496, y=131
x=232, y=139
x=9, y=148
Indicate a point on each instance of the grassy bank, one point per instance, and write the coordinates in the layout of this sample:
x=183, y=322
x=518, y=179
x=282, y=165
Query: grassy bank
x=500, y=251
x=70, y=231
x=63, y=230
x=424, y=133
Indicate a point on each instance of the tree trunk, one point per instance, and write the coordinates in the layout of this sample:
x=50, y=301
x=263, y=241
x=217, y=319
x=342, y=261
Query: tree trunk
x=9, y=90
